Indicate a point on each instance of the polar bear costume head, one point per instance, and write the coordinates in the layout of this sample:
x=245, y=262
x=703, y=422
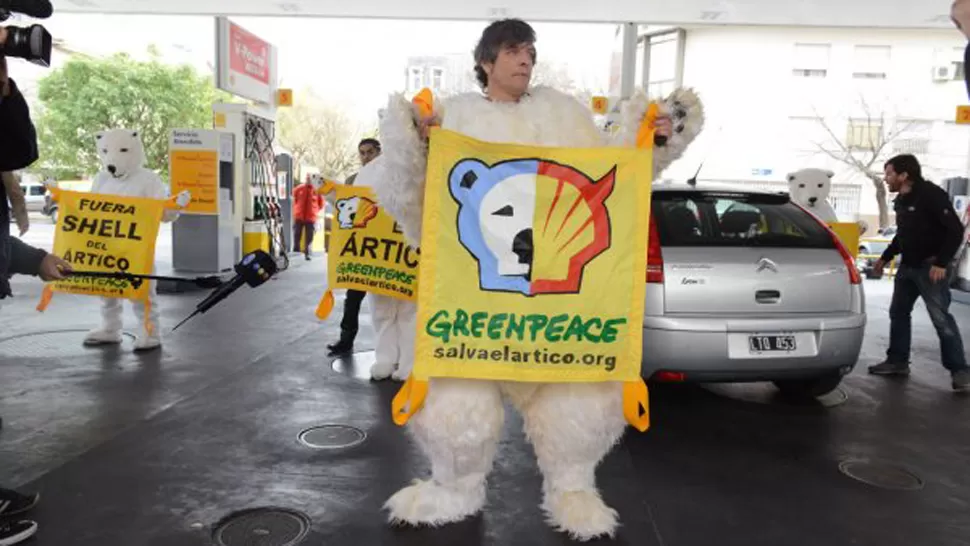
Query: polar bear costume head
x=810, y=188
x=121, y=151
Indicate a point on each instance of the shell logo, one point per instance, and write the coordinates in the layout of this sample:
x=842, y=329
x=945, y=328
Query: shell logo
x=355, y=212
x=532, y=225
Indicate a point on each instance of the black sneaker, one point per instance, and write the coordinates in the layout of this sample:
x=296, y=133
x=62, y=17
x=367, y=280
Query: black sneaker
x=13, y=503
x=15, y=532
x=961, y=381
x=889, y=367
x=341, y=348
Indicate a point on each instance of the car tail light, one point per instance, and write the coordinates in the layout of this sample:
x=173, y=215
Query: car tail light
x=854, y=276
x=670, y=377
x=655, y=258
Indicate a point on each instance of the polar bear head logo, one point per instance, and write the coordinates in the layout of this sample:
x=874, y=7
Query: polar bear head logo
x=355, y=212
x=121, y=151
x=532, y=225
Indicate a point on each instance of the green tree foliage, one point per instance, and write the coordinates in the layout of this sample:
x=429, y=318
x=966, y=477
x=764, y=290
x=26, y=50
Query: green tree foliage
x=88, y=95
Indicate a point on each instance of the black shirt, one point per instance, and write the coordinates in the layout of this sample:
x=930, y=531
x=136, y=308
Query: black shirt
x=928, y=228
x=18, y=149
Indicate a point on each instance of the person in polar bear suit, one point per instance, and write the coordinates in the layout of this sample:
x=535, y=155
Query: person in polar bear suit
x=394, y=320
x=810, y=188
x=123, y=160
x=571, y=426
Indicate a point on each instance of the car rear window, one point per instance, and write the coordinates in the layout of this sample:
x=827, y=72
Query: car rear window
x=735, y=219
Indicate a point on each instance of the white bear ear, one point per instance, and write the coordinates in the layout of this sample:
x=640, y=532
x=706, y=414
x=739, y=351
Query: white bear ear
x=829, y=174
x=465, y=175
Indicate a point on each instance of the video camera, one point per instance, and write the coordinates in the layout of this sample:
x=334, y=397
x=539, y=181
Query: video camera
x=31, y=43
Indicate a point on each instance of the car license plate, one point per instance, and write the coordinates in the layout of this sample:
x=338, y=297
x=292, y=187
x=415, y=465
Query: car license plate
x=772, y=343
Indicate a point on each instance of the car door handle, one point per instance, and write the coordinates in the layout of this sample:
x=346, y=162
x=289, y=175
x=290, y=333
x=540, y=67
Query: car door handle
x=767, y=296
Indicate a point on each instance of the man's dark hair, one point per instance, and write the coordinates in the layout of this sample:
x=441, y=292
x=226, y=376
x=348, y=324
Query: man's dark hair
x=372, y=141
x=495, y=37
x=906, y=163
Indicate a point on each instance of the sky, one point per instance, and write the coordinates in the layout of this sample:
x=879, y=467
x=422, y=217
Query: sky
x=350, y=63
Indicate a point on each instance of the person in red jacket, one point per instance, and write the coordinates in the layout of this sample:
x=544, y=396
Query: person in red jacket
x=306, y=207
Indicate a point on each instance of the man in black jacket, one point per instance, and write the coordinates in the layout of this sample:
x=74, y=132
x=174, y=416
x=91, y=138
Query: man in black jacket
x=928, y=237
x=18, y=149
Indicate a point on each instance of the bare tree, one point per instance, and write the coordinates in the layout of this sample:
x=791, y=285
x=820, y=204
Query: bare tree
x=320, y=135
x=865, y=155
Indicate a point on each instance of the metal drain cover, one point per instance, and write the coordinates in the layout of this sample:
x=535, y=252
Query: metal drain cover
x=50, y=344
x=332, y=437
x=356, y=365
x=262, y=527
x=882, y=475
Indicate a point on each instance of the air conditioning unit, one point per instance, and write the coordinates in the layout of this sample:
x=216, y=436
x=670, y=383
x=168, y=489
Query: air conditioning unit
x=943, y=73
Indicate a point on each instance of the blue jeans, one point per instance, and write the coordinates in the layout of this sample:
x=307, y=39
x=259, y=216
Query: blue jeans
x=912, y=283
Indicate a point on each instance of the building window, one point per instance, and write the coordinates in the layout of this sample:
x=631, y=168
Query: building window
x=864, y=135
x=437, y=78
x=415, y=78
x=811, y=60
x=870, y=62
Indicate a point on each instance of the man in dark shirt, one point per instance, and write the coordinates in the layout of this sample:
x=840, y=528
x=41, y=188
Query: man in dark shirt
x=368, y=150
x=928, y=237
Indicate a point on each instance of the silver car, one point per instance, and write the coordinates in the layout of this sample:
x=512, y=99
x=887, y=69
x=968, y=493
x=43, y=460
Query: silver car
x=747, y=286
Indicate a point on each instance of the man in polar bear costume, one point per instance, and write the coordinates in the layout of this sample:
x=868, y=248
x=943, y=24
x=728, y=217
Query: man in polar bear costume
x=810, y=188
x=123, y=160
x=394, y=320
x=571, y=426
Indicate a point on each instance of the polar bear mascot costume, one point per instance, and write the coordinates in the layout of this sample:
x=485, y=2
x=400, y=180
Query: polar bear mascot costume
x=123, y=173
x=571, y=426
x=394, y=320
x=810, y=188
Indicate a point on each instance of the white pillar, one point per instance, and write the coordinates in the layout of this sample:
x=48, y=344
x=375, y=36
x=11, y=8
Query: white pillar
x=628, y=72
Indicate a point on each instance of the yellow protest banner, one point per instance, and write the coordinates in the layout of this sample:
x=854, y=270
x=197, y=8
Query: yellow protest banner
x=849, y=233
x=367, y=249
x=533, y=267
x=106, y=234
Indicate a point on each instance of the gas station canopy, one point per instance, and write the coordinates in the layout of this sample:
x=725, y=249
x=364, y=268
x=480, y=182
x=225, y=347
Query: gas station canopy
x=903, y=14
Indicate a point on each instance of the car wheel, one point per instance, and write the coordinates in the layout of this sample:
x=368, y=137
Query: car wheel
x=810, y=388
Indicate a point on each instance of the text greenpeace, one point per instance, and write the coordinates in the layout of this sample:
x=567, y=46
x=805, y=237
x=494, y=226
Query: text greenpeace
x=367, y=250
x=459, y=330
x=107, y=234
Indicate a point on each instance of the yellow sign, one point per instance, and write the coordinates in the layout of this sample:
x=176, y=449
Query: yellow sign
x=219, y=120
x=367, y=250
x=600, y=105
x=849, y=233
x=106, y=234
x=284, y=97
x=198, y=172
x=534, y=266
x=963, y=114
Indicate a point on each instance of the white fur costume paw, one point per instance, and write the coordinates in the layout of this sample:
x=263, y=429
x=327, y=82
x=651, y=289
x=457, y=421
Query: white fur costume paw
x=686, y=112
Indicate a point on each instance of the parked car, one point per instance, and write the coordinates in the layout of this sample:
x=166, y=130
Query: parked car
x=34, y=190
x=746, y=286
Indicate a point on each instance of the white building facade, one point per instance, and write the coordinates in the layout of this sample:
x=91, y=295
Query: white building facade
x=781, y=99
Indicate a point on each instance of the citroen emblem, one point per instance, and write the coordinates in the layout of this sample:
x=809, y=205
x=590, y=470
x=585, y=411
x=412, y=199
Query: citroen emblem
x=765, y=263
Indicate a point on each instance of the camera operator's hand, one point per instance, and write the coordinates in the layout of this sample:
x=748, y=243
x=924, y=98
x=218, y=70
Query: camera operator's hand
x=53, y=268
